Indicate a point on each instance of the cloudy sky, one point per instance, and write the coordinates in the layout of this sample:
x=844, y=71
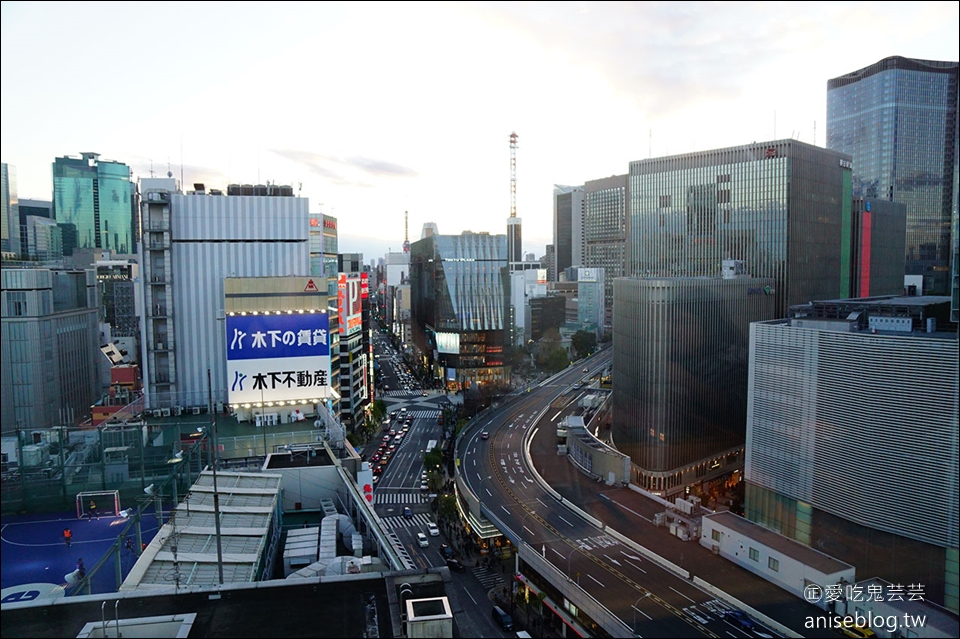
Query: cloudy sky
x=380, y=108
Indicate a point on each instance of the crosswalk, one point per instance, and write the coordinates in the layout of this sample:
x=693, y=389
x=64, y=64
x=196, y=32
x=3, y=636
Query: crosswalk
x=404, y=393
x=400, y=498
x=488, y=578
x=420, y=520
x=425, y=414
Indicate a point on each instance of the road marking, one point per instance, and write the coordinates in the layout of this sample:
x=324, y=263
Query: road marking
x=592, y=577
x=731, y=634
x=629, y=510
x=558, y=552
x=612, y=560
x=474, y=462
x=634, y=557
x=490, y=494
x=630, y=563
x=638, y=610
x=554, y=418
x=528, y=530
x=538, y=499
x=508, y=445
x=566, y=522
x=508, y=512
x=682, y=595
x=471, y=596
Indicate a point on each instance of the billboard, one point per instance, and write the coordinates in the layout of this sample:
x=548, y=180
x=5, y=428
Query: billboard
x=349, y=303
x=275, y=358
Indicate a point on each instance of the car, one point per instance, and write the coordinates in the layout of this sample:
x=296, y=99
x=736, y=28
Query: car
x=422, y=540
x=393, y=414
x=406, y=428
x=446, y=551
x=424, y=393
x=407, y=512
x=456, y=565
x=403, y=410
x=484, y=435
x=423, y=476
x=739, y=619
x=393, y=432
x=386, y=438
x=424, y=486
x=856, y=631
x=433, y=530
x=375, y=458
x=586, y=370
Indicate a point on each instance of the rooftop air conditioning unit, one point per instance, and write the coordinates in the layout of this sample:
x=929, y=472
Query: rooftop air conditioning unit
x=195, y=410
x=166, y=412
x=177, y=411
x=158, y=412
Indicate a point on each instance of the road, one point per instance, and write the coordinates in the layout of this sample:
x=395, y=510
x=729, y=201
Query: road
x=646, y=598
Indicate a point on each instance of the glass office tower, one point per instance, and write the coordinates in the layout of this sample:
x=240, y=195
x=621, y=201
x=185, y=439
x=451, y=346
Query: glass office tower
x=777, y=206
x=459, y=307
x=773, y=211
x=897, y=119
x=95, y=198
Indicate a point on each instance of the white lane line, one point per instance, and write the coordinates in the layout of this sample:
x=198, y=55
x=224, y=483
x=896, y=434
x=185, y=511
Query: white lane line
x=630, y=563
x=591, y=576
x=538, y=499
x=630, y=510
x=562, y=556
x=528, y=530
x=635, y=608
x=489, y=494
x=554, y=418
x=682, y=595
x=474, y=462
x=508, y=446
x=566, y=522
x=508, y=512
x=471, y=596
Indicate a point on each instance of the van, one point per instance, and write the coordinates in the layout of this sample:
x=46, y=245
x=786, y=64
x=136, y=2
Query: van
x=502, y=619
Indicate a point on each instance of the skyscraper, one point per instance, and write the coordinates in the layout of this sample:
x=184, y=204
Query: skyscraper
x=94, y=198
x=9, y=215
x=604, y=232
x=567, y=226
x=897, y=119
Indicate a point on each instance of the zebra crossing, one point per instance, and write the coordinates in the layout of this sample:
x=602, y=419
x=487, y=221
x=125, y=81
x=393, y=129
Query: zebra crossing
x=420, y=520
x=400, y=498
x=488, y=578
x=404, y=393
x=424, y=414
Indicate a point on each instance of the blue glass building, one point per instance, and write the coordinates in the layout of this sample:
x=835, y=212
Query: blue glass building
x=897, y=119
x=94, y=200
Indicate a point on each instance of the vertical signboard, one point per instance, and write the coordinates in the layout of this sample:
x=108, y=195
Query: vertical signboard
x=349, y=303
x=275, y=358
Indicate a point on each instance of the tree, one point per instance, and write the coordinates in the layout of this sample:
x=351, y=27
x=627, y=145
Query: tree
x=379, y=410
x=448, y=507
x=584, y=343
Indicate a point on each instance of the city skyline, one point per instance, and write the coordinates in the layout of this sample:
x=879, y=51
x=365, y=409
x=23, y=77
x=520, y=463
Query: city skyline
x=372, y=119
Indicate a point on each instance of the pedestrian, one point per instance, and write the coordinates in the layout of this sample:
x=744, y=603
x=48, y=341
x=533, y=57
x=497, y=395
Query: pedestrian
x=81, y=569
x=92, y=510
x=129, y=544
x=67, y=536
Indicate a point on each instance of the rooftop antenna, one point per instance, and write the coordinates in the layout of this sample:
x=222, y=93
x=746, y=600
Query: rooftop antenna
x=406, y=231
x=151, y=167
x=181, y=157
x=513, y=174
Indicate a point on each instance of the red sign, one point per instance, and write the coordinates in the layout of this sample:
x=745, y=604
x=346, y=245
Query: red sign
x=349, y=303
x=314, y=221
x=330, y=224
x=364, y=286
x=311, y=287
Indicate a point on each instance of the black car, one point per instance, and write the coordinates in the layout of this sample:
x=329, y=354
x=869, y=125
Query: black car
x=456, y=565
x=739, y=619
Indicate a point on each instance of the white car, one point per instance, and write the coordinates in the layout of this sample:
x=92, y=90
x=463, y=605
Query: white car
x=422, y=540
x=433, y=530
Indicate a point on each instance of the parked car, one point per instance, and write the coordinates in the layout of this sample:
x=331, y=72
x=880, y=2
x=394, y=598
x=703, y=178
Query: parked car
x=503, y=620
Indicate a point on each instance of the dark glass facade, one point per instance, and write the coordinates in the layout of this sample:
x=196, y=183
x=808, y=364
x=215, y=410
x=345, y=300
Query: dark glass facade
x=777, y=206
x=567, y=227
x=96, y=198
x=897, y=119
x=459, y=287
x=546, y=313
x=680, y=369
x=876, y=244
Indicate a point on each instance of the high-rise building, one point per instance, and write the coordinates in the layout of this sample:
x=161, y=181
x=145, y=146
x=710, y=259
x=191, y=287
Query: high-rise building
x=549, y=262
x=567, y=226
x=9, y=211
x=680, y=366
x=897, y=119
x=41, y=209
x=50, y=347
x=97, y=200
x=323, y=263
x=192, y=243
x=779, y=207
x=773, y=211
x=356, y=365
x=605, y=232
x=460, y=307
x=852, y=430
x=877, y=236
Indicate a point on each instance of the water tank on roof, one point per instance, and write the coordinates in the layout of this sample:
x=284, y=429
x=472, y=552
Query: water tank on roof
x=246, y=189
x=233, y=189
x=260, y=189
x=273, y=190
x=286, y=191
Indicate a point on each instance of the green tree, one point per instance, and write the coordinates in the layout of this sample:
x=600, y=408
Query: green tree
x=584, y=343
x=379, y=410
x=448, y=507
x=432, y=460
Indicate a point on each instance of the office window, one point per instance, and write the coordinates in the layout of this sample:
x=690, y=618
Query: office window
x=773, y=564
x=754, y=554
x=715, y=535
